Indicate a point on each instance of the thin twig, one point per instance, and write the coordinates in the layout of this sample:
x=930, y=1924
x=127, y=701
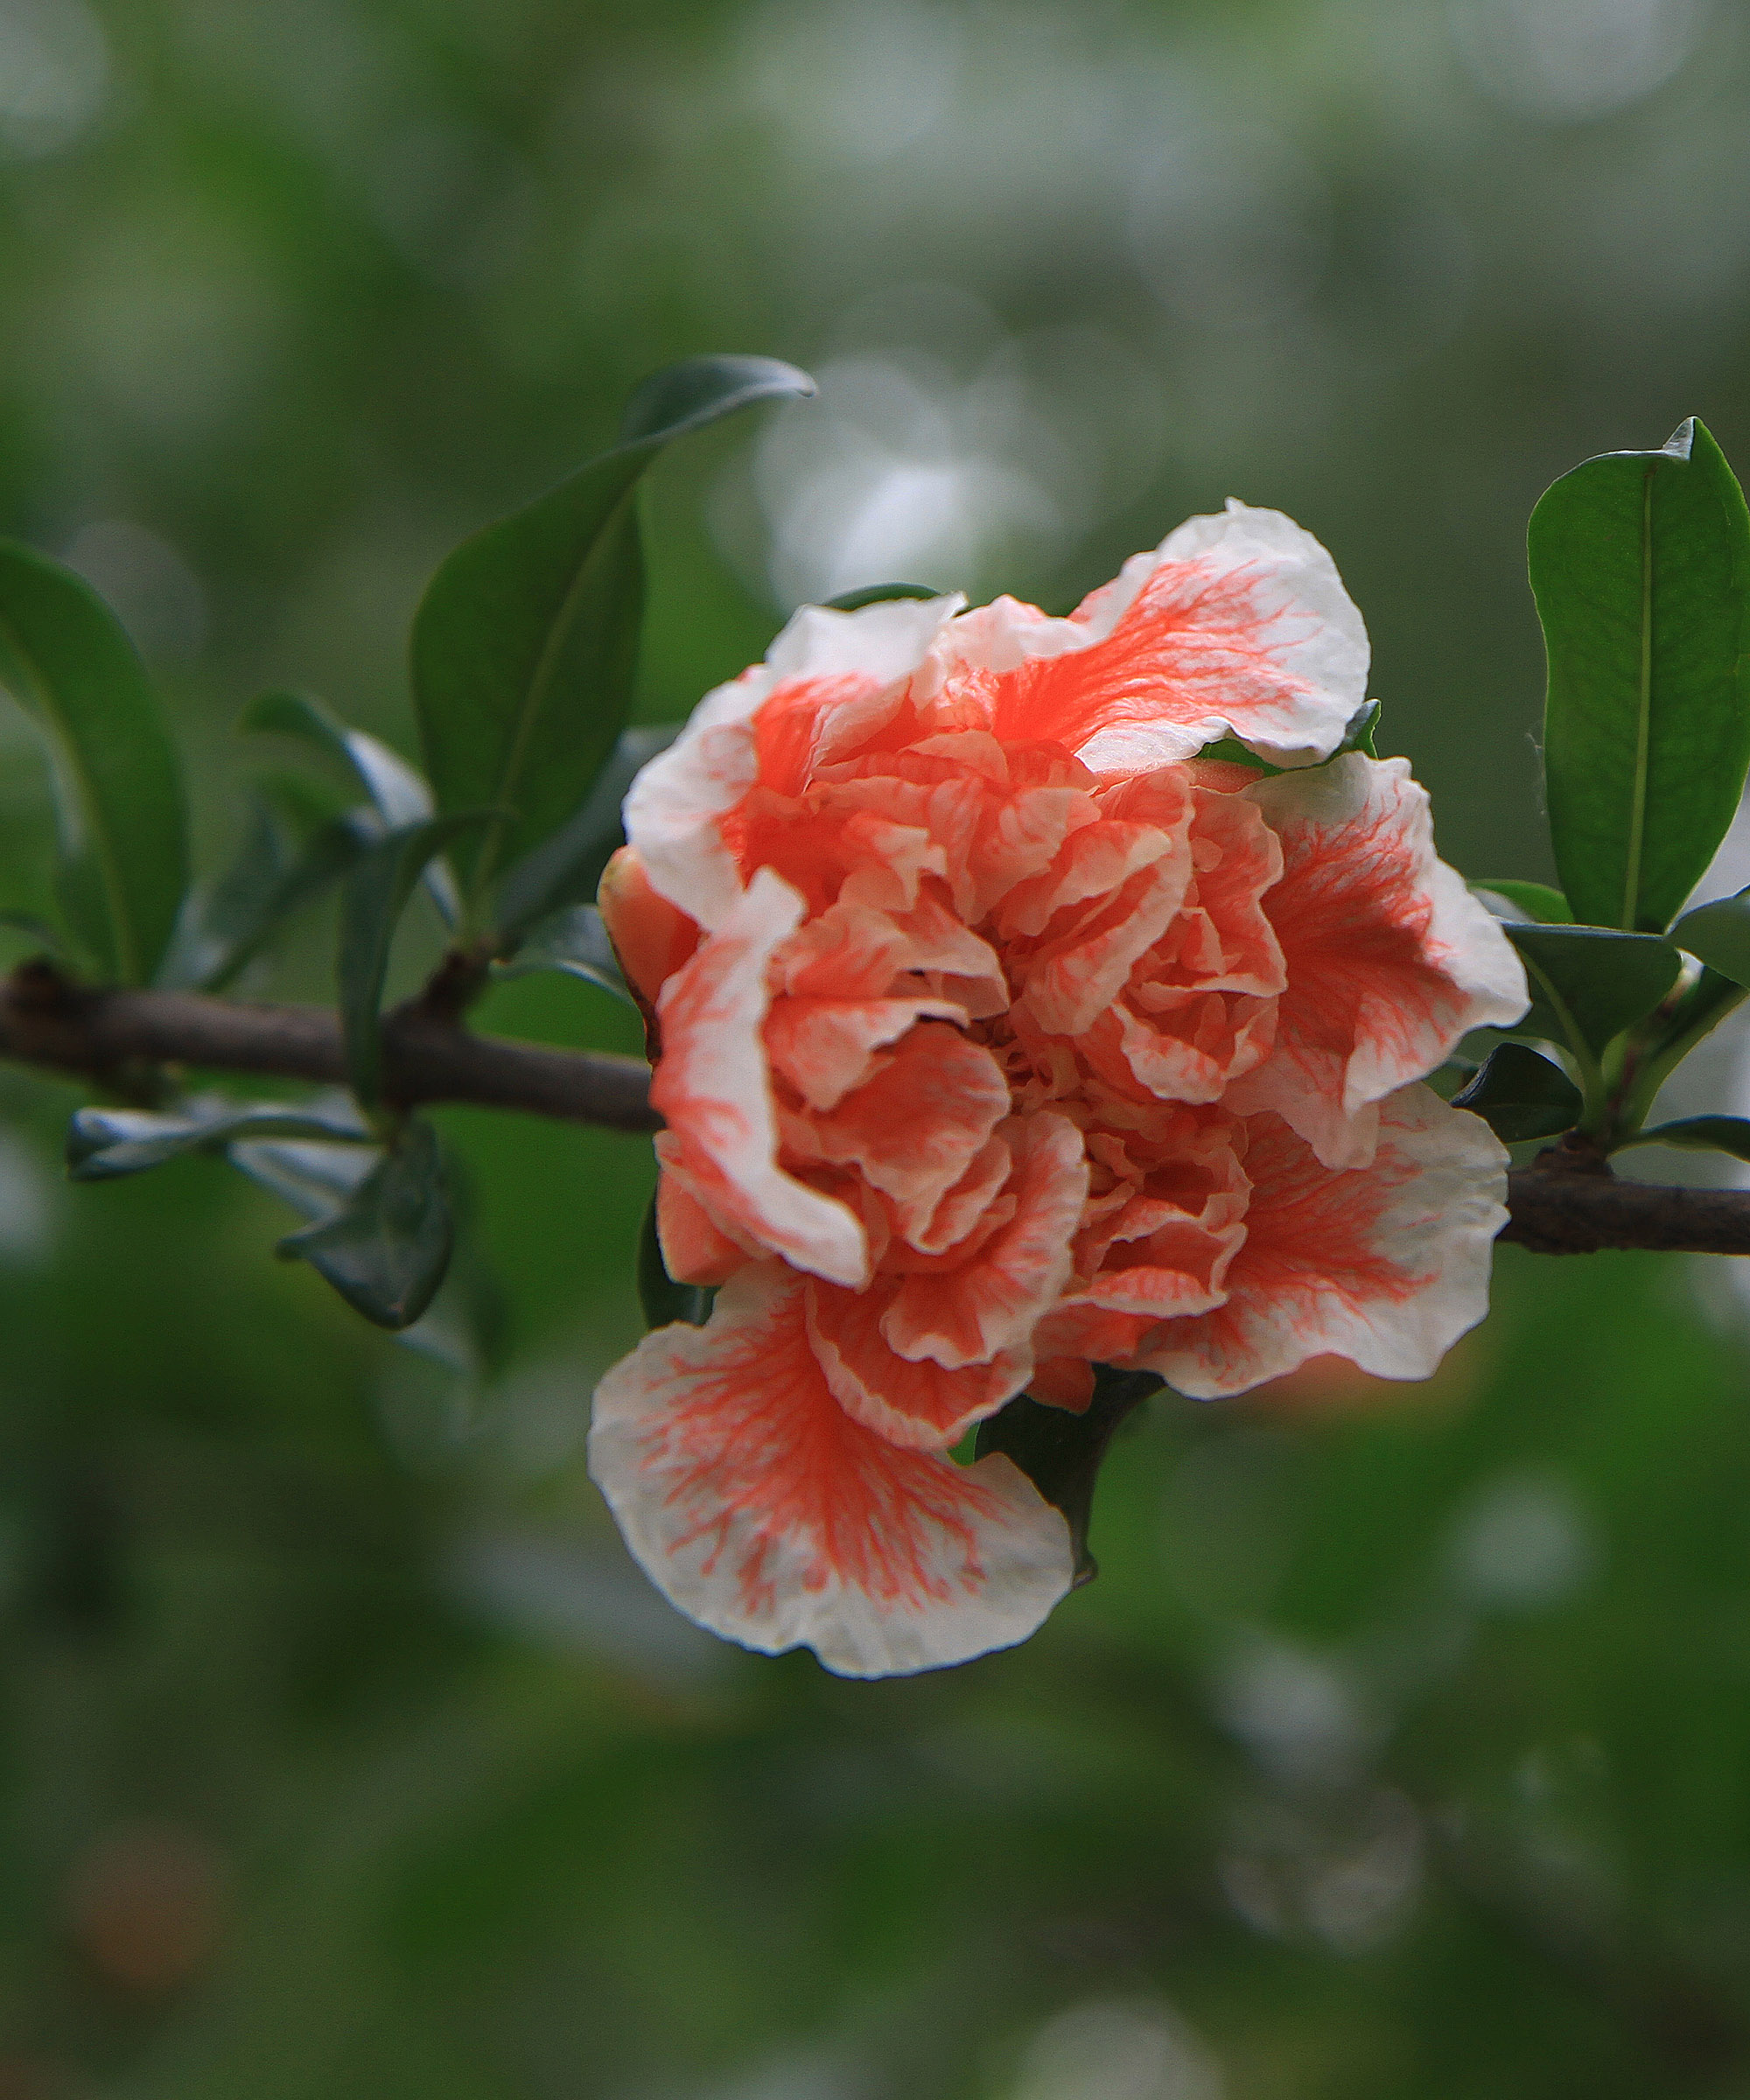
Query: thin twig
x=1560, y=1205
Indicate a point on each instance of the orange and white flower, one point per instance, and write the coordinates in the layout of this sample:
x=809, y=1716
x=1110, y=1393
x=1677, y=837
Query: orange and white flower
x=998, y=1034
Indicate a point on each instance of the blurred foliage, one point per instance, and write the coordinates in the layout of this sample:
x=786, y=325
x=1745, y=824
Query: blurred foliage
x=1401, y=1747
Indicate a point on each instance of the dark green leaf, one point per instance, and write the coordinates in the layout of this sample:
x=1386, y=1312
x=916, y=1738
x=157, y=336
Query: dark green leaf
x=399, y=792
x=524, y=647
x=387, y=1250
x=1718, y=934
x=1359, y=736
x=575, y=941
x=1520, y=1094
x=33, y=928
x=567, y=868
x=1534, y=901
x=1698, y=1134
x=664, y=1300
x=1589, y=984
x=1061, y=1453
x=118, y=790
x=1641, y=567
x=878, y=594
x=104, y=1144
x=377, y=889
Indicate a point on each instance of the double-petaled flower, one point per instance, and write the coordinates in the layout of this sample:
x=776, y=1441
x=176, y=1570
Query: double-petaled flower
x=999, y=1034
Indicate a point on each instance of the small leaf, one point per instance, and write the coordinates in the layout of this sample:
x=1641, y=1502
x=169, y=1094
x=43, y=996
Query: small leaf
x=664, y=1300
x=878, y=594
x=118, y=790
x=1589, y=984
x=567, y=868
x=387, y=1250
x=400, y=793
x=104, y=1144
x=1520, y=1094
x=1698, y=1134
x=1718, y=934
x=576, y=942
x=525, y=645
x=376, y=893
x=1641, y=567
x=1359, y=736
x=1061, y=1453
x=1533, y=901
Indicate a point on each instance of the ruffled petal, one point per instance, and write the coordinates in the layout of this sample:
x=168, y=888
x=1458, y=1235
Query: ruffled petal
x=918, y=1405
x=1390, y=958
x=1237, y=626
x=712, y=1090
x=758, y=1506
x=1386, y=1264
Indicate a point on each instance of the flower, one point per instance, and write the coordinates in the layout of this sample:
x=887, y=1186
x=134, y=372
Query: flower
x=997, y=1034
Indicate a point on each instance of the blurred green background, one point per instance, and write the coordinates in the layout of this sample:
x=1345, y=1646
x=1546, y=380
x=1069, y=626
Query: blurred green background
x=1403, y=1748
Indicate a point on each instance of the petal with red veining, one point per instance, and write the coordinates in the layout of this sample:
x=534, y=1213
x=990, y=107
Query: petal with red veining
x=1386, y=1264
x=761, y=1510
x=712, y=1090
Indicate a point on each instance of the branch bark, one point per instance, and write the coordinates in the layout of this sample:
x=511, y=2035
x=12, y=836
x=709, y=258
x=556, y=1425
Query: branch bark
x=114, y=1037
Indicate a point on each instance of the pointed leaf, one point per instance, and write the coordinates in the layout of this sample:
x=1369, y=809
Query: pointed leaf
x=1535, y=902
x=387, y=1251
x=664, y=1299
x=1698, y=1134
x=876, y=594
x=66, y=660
x=399, y=793
x=576, y=942
x=1589, y=984
x=1061, y=1452
x=375, y=896
x=567, y=868
x=104, y=1144
x=524, y=647
x=1718, y=934
x=1641, y=567
x=1520, y=1094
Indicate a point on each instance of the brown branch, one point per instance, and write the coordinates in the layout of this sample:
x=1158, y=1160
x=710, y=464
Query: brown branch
x=1564, y=1204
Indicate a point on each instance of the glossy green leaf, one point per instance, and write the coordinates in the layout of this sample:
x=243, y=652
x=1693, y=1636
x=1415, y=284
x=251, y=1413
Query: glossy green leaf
x=386, y=1250
x=399, y=792
x=878, y=594
x=1520, y=1094
x=374, y=897
x=103, y=1145
x=124, y=864
x=1641, y=568
x=574, y=941
x=1534, y=901
x=1061, y=1453
x=1698, y=1134
x=1589, y=984
x=525, y=645
x=1718, y=934
x=567, y=868
x=664, y=1299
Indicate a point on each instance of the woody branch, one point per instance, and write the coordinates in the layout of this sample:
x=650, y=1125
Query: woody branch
x=1566, y=1203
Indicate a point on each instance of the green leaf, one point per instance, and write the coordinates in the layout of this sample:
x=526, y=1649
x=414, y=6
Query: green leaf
x=1359, y=736
x=33, y=928
x=575, y=941
x=1641, y=568
x=567, y=868
x=399, y=792
x=275, y=871
x=103, y=1145
x=525, y=645
x=386, y=1250
x=1520, y=1094
x=1061, y=1453
x=375, y=896
x=664, y=1299
x=124, y=859
x=1718, y=934
x=1589, y=984
x=878, y=594
x=1698, y=1134
x=1534, y=901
